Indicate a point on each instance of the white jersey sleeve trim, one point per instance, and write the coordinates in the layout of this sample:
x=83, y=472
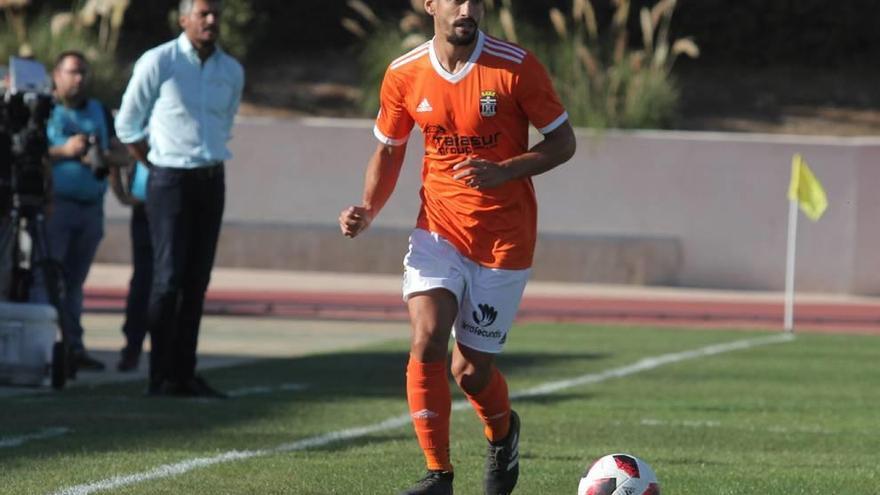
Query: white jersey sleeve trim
x=552, y=126
x=387, y=140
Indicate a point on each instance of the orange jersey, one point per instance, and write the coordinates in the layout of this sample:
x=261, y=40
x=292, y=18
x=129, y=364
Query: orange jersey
x=483, y=110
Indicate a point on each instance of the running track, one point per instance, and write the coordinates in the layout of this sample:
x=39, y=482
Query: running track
x=827, y=317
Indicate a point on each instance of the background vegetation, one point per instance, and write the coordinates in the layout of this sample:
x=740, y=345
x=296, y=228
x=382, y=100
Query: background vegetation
x=100, y=29
x=815, y=33
x=91, y=27
x=603, y=78
x=742, y=39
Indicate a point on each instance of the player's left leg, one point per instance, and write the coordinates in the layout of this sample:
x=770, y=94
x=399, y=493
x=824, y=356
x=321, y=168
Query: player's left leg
x=487, y=312
x=486, y=389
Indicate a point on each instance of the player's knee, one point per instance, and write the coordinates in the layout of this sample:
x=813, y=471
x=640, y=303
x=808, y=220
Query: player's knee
x=429, y=346
x=470, y=376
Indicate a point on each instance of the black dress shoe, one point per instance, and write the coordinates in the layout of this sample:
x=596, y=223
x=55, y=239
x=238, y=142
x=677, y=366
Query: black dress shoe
x=155, y=388
x=194, y=387
x=128, y=361
x=200, y=388
x=84, y=362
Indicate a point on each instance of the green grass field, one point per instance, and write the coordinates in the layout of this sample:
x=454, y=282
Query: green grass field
x=796, y=417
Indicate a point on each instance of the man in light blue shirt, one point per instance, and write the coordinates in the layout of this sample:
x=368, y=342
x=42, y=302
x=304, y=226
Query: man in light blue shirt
x=186, y=92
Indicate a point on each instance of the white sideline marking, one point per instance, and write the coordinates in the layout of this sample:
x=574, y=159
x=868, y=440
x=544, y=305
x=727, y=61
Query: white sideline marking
x=686, y=423
x=168, y=470
x=262, y=390
x=21, y=440
x=651, y=363
x=716, y=424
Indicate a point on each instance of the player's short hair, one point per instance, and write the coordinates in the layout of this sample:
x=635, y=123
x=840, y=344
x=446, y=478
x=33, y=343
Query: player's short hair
x=186, y=6
x=69, y=53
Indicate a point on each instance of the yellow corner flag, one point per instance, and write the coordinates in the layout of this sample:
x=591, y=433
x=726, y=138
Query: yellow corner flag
x=806, y=189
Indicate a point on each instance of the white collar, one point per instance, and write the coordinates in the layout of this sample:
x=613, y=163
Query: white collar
x=458, y=76
x=190, y=51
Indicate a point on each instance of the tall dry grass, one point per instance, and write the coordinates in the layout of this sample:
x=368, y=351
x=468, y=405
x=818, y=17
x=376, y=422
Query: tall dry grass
x=604, y=81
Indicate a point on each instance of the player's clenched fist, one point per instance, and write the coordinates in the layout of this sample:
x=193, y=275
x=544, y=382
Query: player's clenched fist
x=354, y=220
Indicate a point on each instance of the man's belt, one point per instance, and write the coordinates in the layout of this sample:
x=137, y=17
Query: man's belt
x=208, y=171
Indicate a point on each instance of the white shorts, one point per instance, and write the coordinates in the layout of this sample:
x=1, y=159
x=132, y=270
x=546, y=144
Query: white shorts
x=488, y=298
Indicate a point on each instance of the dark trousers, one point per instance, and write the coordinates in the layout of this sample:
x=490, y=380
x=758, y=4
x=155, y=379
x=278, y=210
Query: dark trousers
x=73, y=233
x=135, y=326
x=185, y=209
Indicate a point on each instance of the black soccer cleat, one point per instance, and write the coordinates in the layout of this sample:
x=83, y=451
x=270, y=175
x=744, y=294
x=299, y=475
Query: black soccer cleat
x=434, y=483
x=502, y=462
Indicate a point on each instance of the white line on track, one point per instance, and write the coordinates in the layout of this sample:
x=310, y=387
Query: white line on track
x=168, y=470
x=23, y=439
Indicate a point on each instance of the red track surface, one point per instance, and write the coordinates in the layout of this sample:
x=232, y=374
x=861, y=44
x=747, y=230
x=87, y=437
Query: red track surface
x=813, y=317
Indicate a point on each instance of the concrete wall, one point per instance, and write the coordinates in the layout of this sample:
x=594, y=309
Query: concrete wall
x=690, y=209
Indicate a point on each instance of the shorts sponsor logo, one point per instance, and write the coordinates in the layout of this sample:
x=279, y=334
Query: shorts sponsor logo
x=482, y=332
x=484, y=318
x=487, y=315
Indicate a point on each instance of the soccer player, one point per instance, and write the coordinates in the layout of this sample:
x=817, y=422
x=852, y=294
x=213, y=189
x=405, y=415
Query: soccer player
x=473, y=96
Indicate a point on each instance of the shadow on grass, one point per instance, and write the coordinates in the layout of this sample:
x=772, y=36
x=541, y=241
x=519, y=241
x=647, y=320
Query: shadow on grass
x=368, y=384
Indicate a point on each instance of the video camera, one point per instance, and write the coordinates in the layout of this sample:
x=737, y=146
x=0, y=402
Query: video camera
x=25, y=107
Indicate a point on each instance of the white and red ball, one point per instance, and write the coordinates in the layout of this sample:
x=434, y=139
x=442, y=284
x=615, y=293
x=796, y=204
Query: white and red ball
x=619, y=474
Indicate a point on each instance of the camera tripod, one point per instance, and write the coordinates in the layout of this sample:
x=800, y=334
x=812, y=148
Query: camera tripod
x=28, y=214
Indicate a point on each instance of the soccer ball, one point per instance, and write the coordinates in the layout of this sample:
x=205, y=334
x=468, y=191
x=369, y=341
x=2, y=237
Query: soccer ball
x=619, y=474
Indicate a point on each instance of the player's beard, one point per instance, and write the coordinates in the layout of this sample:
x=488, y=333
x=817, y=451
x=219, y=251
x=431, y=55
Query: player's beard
x=465, y=40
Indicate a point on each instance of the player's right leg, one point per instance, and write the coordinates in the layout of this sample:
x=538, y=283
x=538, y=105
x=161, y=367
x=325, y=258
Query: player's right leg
x=427, y=386
x=432, y=287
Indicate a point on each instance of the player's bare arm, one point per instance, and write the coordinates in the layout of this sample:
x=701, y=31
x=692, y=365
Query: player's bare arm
x=383, y=170
x=557, y=148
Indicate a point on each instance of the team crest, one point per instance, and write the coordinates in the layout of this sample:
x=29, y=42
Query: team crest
x=488, y=103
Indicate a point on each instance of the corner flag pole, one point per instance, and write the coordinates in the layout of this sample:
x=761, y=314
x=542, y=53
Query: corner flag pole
x=789, y=265
x=804, y=192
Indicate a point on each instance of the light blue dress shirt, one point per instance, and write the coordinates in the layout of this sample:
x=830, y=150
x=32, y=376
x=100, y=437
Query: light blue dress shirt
x=188, y=106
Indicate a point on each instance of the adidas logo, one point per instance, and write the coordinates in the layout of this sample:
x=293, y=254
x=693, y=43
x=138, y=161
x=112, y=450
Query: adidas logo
x=424, y=106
